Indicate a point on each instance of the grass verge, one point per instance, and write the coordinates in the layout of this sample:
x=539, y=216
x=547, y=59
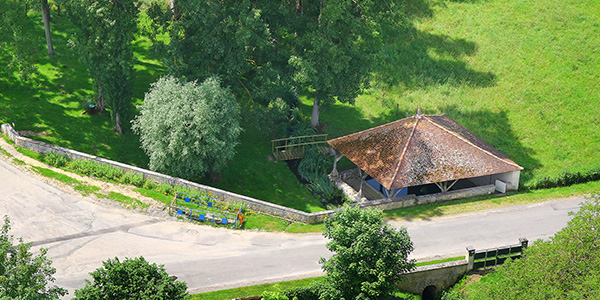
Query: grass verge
x=490, y=202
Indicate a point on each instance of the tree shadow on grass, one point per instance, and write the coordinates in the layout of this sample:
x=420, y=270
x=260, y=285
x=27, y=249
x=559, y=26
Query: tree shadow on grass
x=415, y=59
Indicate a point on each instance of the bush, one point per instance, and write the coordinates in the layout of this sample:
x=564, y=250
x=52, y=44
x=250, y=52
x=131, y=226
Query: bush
x=314, y=165
x=131, y=279
x=310, y=292
x=566, y=179
x=55, y=159
x=133, y=179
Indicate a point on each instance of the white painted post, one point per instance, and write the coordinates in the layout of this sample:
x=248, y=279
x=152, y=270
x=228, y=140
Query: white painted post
x=470, y=257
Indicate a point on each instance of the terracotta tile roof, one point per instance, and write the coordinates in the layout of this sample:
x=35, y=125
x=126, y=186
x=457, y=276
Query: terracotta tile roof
x=421, y=149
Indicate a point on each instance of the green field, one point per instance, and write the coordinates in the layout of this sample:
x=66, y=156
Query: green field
x=520, y=74
x=523, y=75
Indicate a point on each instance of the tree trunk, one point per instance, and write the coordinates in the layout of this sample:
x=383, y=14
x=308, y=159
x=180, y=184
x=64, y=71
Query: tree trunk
x=175, y=10
x=46, y=19
x=314, y=119
x=100, y=100
x=118, y=127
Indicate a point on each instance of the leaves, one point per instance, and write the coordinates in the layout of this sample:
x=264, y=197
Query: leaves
x=188, y=129
x=134, y=278
x=23, y=275
x=565, y=267
x=106, y=29
x=370, y=256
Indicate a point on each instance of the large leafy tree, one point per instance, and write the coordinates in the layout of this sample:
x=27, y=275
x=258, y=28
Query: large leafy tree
x=332, y=44
x=23, y=275
x=106, y=31
x=188, y=129
x=369, y=255
x=565, y=267
x=133, y=278
x=227, y=38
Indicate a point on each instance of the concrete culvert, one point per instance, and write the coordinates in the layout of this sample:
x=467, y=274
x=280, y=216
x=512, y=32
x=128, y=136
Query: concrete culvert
x=429, y=293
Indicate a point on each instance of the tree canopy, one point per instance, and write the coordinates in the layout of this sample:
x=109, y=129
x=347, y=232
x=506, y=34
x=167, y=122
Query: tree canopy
x=23, y=275
x=106, y=31
x=369, y=255
x=565, y=267
x=133, y=278
x=188, y=129
x=267, y=49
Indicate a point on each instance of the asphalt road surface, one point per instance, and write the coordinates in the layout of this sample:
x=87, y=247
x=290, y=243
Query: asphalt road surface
x=81, y=232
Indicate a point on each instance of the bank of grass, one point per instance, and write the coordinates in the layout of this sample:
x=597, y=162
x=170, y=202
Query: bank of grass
x=51, y=103
x=279, y=286
x=522, y=75
x=490, y=202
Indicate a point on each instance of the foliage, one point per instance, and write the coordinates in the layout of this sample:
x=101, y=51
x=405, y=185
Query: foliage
x=566, y=179
x=56, y=160
x=333, y=45
x=188, y=129
x=369, y=255
x=106, y=33
x=23, y=275
x=275, y=294
x=565, y=267
x=310, y=292
x=13, y=20
x=134, y=278
x=314, y=164
x=226, y=38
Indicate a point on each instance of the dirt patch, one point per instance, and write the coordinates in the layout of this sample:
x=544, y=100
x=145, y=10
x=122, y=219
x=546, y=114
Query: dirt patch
x=30, y=133
x=475, y=275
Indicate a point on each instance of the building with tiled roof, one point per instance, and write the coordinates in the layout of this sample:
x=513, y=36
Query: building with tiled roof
x=426, y=149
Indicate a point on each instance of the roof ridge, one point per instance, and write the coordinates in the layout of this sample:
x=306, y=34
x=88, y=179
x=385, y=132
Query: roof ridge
x=469, y=142
x=382, y=125
x=401, y=159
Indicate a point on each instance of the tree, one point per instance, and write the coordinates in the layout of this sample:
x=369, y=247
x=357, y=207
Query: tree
x=23, y=275
x=333, y=44
x=565, y=267
x=106, y=29
x=229, y=39
x=46, y=19
x=188, y=129
x=13, y=38
x=131, y=279
x=369, y=255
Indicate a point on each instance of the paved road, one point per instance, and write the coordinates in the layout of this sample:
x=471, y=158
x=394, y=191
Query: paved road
x=80, y=233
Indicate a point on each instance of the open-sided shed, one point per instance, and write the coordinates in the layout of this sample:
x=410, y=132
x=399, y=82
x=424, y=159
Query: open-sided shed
x=427, y=149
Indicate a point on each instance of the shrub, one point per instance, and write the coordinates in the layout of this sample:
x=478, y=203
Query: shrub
x=314, y=165
x=566, y=179
x=55, y=159
x=150, y=185
x=133, y=179
x=311, y=292
x=132, y=279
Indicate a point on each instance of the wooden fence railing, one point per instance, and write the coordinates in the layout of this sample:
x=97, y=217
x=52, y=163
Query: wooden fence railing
x=294, y=147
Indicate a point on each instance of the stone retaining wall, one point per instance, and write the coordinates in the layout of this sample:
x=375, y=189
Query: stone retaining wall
x=435, y=277
x=253, y=204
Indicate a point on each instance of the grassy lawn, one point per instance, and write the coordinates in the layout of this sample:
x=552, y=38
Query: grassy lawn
x=490, y=202
x=259, y=289
x=51, y=104
x=522, y=75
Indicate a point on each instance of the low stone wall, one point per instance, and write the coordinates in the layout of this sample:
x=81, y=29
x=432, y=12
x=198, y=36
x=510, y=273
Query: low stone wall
x=225, y=196
x=435, y=278
x=256, y=205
